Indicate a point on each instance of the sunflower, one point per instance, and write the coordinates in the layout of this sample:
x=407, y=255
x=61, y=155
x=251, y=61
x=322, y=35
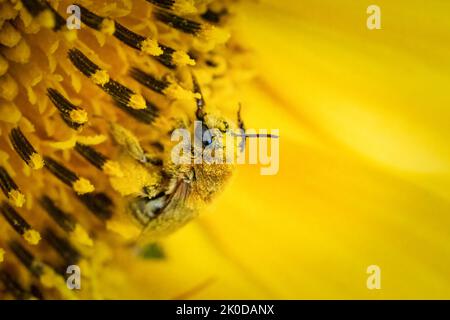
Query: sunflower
x=364, y=165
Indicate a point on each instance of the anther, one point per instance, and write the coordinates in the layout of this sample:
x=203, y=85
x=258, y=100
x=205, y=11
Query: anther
x=26, y=258
x=96, y=22
x=99, y=204
x=136, y=41
x=179, y=6
x=45, y=13
x=25, y=150
x=74, y=116
x=19, y=224
x=177, y=22
x=99, y=160
x=66, y=221
x=63, y=219
x=170, y=89
x=79, y=185
x=62, y=246
x=10, y=189
x=13, y=287
x=214, y=16
x=149, y=81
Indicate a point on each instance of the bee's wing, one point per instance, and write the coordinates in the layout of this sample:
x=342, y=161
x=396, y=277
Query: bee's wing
x=177, y=211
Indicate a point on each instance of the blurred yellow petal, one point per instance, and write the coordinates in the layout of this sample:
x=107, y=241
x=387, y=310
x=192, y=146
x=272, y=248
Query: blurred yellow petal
x=382, y=93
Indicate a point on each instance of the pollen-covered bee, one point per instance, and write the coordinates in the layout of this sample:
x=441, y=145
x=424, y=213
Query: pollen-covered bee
x=173, y=186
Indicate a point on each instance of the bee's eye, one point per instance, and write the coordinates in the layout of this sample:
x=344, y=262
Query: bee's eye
x=204, y=135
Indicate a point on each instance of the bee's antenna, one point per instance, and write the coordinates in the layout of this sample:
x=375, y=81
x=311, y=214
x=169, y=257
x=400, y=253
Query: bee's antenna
x=200, y=113
x=256, y=135
x=260, y=135
x=244, y=135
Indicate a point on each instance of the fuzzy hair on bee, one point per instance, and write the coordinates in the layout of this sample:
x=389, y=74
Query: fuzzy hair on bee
x=161, y=192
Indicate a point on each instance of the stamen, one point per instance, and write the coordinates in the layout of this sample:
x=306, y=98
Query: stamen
x=170, y=89
x=74, y=116
x=63, y=219
x=137, y=41
x=99, y=160
x=179, y=23
x=19, y=224
x=124, y=96
x=146, y=115
x=79, y=185
x=26, y=258
x=172, y=58
x=166, y=58
x=179, y=6
x=165, y=4
x=10, y=189
x=121, y=94
x=99, y=204
x=148, y=80
x=25, y=150
x=82, y=63
x=62, y=246
x=66, y=221
x=213, y=16
x=13, y=287
x=45, y=13
x=94, y=21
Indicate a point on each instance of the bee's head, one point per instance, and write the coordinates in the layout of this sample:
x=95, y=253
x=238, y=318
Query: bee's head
x=213, y=152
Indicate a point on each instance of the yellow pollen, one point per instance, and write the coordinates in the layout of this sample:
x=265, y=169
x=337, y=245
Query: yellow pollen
x=2, y=254
x=79, y=116
x=17, y=198
x=112, y=168
x=181, y=58
x=108, y=27
x=36, y=161
x=126, y=138
x=137, y=102
x=151, y=47
x=80, y=235
x=135, y=177
x=184, y=7
x=215, y=35
x=176, y=92
x=46, y=19
x=101, y=77
x=83, y=186
x=32, y=237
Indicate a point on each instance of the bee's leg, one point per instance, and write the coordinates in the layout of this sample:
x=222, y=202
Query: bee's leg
x=130, y=144
x=128, y=141
x=241, y=126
